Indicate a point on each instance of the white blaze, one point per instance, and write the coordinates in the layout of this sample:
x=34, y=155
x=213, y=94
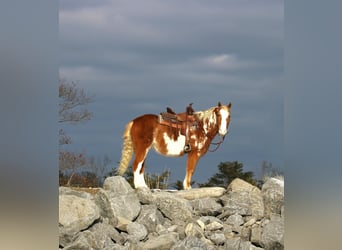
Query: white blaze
x=174, y=147
x=223, y=126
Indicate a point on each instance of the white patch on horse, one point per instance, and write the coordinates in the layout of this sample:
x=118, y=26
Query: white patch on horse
x=211, y=120
x=194, y=138
x=174, y=147
x=185, y=185
x=223, y=126
x=202, y=144
x=139, y=181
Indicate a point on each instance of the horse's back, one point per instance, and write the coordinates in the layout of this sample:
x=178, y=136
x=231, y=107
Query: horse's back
x=146, y=119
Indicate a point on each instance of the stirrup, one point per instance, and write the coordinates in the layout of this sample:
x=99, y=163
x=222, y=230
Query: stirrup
x=187, y=148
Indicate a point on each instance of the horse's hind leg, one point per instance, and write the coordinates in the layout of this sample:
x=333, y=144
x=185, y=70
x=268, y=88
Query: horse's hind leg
x=190, y=169
x=142, y=139
x=138, y=170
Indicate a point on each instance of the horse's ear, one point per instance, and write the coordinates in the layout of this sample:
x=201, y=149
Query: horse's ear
x=219, y=104
x=229, y=104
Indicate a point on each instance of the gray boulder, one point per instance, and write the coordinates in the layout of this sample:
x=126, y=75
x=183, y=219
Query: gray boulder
x=175, y=208
x=102, y=199
x=118, y=199
x=199, y=193
x=217, y=238
x=244, y=199
x=162, y=242
x=232, y=243
x=246, y=245
x=106, y=235
x=235, y=220
x=76, y=213
x=150, y=217
x=118, y=217
x=70, y=191
x=83, y=241
x=117, y=185
x=273, y=195
x=193, y=243
x=137, y=232
x=194, y=229
x=206, y=206
x=272, y=236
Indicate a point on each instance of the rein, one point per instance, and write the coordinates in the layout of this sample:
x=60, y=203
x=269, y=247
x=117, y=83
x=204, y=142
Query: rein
x=217, y=143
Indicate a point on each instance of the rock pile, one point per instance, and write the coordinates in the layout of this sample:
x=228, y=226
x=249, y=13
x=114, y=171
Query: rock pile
x=119, y=217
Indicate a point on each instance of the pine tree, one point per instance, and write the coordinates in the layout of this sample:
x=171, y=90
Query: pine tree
x=228, y=171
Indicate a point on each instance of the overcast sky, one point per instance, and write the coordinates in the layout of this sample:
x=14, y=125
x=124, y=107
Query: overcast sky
x=138, y=57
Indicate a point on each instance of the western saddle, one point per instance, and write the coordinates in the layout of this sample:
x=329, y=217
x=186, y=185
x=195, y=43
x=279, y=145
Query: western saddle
x=182, y=121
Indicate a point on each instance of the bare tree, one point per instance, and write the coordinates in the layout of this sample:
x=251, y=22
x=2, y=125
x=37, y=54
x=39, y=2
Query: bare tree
x=72, y=109
x=72, y=103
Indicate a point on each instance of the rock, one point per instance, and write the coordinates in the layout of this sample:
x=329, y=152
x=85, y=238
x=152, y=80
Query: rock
x=122, y=223
x=245, y=233
x=118, y=199
x=162, y=242
x=206, y=206
x=217, y=238
x=256, y=232
x=160, y=229
x=246, y=245
x=235, y=220
x=175, y=208
x=106, y=210
x=232, y=243
x=137, y=231
x=117, y=185
x=272, y=236
x=240, y=185
x=84, y=240
x=244, y=199
x=213, y=226
x=194, y=243
x=273, y=196
x=193, y=229
x=126, y=206
x=104, y=233
x=70, y=191
x=199, y=193
x=250, y=222
x=150, y=217
x=128, y=219
x=145, y=195
x=76, y=213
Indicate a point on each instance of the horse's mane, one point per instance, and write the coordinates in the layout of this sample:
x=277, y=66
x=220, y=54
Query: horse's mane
x=202, y=115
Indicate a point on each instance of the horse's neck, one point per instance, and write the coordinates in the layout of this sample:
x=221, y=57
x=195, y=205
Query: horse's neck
x=206, y=117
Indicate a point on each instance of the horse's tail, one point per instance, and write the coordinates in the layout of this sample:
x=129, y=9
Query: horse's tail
x=127, y=149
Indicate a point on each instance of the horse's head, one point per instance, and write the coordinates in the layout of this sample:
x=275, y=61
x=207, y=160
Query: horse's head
x=223, y=118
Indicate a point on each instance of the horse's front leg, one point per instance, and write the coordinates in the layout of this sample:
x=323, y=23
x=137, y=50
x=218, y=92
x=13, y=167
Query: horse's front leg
x=193, y=158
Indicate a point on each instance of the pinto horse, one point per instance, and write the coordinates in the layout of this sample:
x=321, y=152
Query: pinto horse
x=145, y=132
